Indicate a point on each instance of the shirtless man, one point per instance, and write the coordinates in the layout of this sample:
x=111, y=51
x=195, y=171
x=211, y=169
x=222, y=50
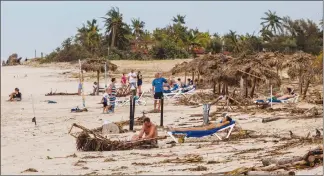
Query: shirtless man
x=15, y=96
x=225, y=121
x=149, y=129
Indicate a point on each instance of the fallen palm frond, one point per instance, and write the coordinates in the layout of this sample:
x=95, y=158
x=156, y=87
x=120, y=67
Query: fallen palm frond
x=190, y=158
x=88, y=140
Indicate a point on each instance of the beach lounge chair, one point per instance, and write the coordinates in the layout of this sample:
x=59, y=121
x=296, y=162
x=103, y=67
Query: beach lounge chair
x=181, y=93
x=288, y=100
x=138, y=101
x=199, y=134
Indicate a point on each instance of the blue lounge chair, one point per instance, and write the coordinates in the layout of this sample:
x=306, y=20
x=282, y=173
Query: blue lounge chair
x=203, y=133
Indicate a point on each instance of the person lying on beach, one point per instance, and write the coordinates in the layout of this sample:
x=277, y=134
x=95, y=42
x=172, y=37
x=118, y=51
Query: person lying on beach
x=290, y=94
x=225, y=121
x=15, y=96
x=148, y=128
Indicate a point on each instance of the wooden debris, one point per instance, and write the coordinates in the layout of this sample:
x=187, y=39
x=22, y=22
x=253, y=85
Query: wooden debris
x=191, y=158
x=270, y=119
x=96, y=142
x=60, y=94
x=273, y=166
x=30, y=170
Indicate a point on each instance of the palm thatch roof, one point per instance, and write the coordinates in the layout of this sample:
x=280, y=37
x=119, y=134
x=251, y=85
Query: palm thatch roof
x=98, y=65
x=300, y=63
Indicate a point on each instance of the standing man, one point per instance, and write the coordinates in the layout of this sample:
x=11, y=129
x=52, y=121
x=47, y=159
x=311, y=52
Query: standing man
x=132, y=78
x=157, y=87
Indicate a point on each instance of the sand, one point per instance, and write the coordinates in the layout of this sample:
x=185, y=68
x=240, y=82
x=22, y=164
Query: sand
x=45, y=147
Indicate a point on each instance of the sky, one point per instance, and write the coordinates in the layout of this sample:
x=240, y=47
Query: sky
x=42, y=26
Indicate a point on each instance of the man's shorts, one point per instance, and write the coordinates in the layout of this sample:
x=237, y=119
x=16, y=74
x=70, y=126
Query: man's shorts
x=158, y=95
x=105, y=104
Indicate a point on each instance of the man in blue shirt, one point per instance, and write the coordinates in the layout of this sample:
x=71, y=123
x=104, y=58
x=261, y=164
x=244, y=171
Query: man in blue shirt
x=157, y=87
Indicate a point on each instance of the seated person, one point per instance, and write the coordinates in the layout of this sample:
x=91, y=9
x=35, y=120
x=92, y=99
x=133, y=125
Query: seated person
x=148, y=128
x=225, y=121
x=95, y=88
x=166, y=88
x=190, y=82
x=15, y=96
x=180, y=83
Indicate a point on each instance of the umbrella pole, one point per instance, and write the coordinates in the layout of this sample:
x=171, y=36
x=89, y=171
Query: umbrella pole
x=271, y=96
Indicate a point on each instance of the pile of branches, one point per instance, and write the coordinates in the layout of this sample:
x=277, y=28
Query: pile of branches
x=88, y=140
x=123, y=91
x=196, y=99
x=284, y=166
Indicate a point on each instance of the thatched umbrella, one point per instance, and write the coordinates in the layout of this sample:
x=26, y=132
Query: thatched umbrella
x=97, y=65
x=302, y=66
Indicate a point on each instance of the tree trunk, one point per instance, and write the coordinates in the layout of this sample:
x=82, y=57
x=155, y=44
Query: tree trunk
x=253, y=87
x=185, y=81
x=193, y=75
x=98, y=75
x=113, y=37
x=226, y=88
x=300, y=79
x=306, y=88
x=214, y=87
x=219, y=88
x=198, y=78
x=242, y=86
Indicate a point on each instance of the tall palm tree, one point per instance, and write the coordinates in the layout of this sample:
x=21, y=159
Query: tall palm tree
x=88, y=35
x=113, y=23
x=272, y=22
x=137, y=27
x=179, y=19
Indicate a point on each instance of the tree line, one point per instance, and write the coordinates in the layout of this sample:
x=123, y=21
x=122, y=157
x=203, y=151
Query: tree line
x=132, y=41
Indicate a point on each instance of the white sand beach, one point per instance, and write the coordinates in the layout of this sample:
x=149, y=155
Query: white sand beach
x=45, y=147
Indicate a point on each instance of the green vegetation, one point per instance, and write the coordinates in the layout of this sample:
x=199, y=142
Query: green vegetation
x=132, y=41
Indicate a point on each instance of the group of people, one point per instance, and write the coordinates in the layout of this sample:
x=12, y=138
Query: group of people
x=172, y=85
x=135, y=81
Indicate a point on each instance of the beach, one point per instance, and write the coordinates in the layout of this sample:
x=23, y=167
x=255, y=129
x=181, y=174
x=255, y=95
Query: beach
x=48, y=148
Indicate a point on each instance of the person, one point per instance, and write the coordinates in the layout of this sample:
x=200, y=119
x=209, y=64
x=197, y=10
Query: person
x=112, y=94
x=166, y=88
x=290, y=94
x=105, y=102
x=79, y=88
x=132, y=80
x=95, y=88
x=225, y=121
x=139, y=82
x=180, y=83
x=175, y=87
x=157, y=87
x=190, y=82
x=148, y=128
x=123, y=80
x=15, y=96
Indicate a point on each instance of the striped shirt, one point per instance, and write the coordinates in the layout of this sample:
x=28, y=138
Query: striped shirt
x=112, y=95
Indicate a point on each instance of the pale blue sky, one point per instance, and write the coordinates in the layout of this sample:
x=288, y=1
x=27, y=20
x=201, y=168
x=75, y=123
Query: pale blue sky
x=26, y=26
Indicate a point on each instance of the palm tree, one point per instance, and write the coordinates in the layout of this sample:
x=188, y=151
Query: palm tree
x=88, y=35
x=272, y=21
x=179, y=19
x=113, y=23
x=137, y=27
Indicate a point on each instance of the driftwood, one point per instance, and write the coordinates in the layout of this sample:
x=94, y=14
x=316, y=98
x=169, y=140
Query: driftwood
x=270, y=173
x=60, y=93
x=270, y=119
x=273, y=166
